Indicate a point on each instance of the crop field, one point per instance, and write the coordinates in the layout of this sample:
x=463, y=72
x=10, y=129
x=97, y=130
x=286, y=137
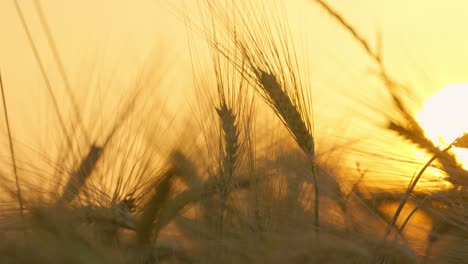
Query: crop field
x=235, y=131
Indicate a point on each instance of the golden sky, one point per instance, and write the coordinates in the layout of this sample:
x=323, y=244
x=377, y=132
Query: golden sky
x=423, y=41
x=105, y=44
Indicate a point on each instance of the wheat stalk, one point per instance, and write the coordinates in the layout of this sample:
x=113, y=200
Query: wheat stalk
x=459, y=142
x=231, y=141
x=78, y=178
x=287, y=111
x=233, y=109
x=154, y=206
x=193, y=195
x=272, y=68
x=283, y=106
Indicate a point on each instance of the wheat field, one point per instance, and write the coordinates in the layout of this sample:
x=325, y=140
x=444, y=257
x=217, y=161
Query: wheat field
x=230, y=152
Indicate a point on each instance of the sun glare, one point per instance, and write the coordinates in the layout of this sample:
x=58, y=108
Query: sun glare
x=444, y=117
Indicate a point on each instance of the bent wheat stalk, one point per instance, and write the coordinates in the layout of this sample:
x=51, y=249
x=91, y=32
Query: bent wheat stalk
x=459, y=142
x=193, y=195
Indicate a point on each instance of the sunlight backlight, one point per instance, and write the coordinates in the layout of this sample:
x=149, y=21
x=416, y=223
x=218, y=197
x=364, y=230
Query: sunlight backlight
x=444, y=117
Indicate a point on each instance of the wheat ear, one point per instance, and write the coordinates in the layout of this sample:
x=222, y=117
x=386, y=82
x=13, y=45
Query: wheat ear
x=78, y=178
x=231, y=140
x=285, y=109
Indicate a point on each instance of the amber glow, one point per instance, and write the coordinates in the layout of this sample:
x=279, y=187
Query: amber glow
x=444, y=117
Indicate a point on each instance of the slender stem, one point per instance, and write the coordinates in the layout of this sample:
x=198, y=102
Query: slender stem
x=12, y=152
x=410, y=190
x=408, y=218
x=317, y=197
x=416, y=208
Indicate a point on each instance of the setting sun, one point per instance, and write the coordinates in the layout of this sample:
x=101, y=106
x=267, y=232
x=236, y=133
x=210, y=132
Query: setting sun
x=443, y=117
